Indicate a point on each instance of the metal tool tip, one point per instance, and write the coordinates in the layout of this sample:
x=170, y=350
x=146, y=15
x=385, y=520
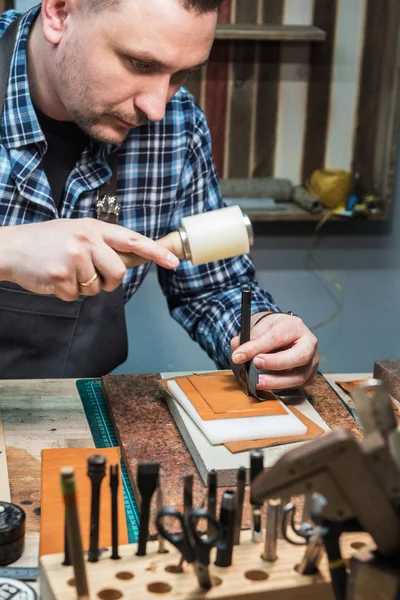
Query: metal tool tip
x=228, y=500
x=241, y=474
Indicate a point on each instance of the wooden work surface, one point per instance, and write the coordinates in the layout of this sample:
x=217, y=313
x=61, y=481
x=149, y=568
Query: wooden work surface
x=36, y=415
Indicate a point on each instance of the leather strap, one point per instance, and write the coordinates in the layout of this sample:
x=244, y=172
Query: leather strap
x=7, y=45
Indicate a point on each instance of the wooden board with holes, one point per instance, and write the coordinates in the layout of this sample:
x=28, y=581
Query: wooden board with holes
x=249, y=577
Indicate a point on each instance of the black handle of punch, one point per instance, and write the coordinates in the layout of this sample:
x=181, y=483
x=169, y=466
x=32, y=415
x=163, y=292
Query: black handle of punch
x=144, y=527
x=114, y=511
x=256, y=467
x=245, y=315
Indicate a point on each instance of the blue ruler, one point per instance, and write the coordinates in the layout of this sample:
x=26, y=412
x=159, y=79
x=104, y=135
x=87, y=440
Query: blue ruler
x=101, y=426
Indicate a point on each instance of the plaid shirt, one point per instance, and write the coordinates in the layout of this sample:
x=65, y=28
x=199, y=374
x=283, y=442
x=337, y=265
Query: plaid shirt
x=165, y=172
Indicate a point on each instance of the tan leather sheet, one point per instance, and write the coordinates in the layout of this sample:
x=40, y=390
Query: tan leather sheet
x=313, y=431
x=52, y=503
x=219, y=388
x=218, y=396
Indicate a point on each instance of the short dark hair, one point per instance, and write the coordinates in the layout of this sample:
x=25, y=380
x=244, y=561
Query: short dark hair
x=200, y=6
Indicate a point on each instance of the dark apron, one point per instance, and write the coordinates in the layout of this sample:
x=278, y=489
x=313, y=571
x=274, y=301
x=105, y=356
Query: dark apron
x=44, y=337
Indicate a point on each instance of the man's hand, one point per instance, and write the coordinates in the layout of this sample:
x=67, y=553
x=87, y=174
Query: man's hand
x=56, y=257
x=280, y=343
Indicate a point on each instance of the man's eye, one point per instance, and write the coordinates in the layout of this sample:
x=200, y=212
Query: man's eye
x=139, y=67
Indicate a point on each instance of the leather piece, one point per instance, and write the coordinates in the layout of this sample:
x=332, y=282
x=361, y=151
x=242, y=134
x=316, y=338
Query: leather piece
x=52, y=503
x=313, y=431
x=218, y=396
x=223, y=394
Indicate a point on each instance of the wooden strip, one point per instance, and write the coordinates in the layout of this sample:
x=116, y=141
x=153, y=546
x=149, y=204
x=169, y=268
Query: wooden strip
x=4, y=480
x=293, y=95
x=368, y=104
x=242, y=95
x=345, y=84
x=267, y=96
x=389, y=111
x=216, y=92
x=284, y=33
x=255, y=94
x=321, y=68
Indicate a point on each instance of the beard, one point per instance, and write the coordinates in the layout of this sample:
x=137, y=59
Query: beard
x=79, y=100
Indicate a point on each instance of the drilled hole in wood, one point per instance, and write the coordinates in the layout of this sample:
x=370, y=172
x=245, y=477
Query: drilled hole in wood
x=159, y=587
x=71, y=582
x=174, y=569
x=124, y=575
x=216, y=581
x=256, y=575
x=110, y=594
x=358, y=545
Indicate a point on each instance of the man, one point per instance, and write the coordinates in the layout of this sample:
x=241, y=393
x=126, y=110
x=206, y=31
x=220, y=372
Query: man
x=100, y=82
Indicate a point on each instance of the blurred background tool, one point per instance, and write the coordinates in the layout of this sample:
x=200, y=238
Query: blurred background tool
x=147, y=482
x=271, y=533
x=191, y=542
x=256, y=468
x=74, y=533
x=114, y=483
x=227, y=523
x=212, y=496
x=96, y=470
x=240, y=490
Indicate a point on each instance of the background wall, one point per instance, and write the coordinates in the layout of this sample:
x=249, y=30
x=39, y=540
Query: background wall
x=364, y=258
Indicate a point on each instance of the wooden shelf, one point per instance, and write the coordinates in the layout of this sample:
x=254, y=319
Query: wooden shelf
x=298, y=215
x=282, y=33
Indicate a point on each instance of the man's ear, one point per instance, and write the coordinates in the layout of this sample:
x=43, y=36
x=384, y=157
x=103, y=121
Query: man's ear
x=54, y=15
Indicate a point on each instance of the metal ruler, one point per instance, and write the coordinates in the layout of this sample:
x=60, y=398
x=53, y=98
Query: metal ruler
x=102, y=428
x=20, y=573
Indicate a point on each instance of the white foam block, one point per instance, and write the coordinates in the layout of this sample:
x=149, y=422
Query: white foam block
x=207, y=457
x=222, y=431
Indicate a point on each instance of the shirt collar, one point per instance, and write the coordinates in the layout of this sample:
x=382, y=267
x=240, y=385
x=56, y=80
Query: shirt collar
x=19, y=126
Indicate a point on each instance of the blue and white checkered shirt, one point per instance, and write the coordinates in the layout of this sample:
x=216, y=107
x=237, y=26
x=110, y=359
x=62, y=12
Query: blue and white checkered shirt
x=165, y=172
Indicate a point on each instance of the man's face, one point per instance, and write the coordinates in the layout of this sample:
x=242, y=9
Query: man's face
x=117, y=69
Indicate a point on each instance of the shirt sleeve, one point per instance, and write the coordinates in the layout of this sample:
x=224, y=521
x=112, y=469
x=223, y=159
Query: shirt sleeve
x=206, y=299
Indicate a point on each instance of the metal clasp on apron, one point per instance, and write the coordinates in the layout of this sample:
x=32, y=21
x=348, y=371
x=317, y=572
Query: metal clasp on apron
x=107, y=207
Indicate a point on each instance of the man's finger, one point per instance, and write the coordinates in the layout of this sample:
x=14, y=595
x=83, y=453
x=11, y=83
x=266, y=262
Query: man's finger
x=110, y=267
x=286, y=380
x=88, y=281
x=280, y=335
x=122, y=239
x=298, y=355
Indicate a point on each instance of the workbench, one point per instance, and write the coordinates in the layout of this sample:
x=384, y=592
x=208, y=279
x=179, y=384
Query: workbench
x=42, y=414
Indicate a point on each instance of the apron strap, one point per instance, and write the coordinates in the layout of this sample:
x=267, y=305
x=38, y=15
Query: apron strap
x=7, y=45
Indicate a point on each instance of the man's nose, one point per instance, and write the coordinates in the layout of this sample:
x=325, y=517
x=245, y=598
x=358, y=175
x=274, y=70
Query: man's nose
x=153, y=100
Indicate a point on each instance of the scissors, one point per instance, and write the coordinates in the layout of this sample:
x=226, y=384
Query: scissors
x=194, y=547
